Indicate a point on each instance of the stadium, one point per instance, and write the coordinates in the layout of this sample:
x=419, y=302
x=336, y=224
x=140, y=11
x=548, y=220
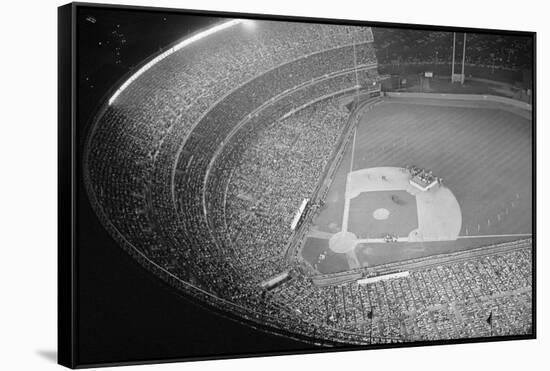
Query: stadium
x=328, y=183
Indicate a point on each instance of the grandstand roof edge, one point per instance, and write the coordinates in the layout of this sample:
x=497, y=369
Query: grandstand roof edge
x=185, y=42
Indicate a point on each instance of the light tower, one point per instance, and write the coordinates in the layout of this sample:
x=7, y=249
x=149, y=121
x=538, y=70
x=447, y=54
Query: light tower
x=458, y=77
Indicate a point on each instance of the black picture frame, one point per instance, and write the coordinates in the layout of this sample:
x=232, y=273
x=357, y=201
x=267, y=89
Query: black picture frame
x=113, y=311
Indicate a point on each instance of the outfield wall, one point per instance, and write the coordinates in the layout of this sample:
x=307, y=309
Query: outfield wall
x=466, y=97
x=472, y=71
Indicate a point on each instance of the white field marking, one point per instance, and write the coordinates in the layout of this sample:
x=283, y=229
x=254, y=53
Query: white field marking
x=497, y=235
x=353, y=149
x=406, y=239
x=352, y=259
x=320, y=234
x=380, y=240
x=345, y=217
x=346, y=206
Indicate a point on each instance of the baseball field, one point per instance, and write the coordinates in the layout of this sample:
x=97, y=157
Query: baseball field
x=480, y=150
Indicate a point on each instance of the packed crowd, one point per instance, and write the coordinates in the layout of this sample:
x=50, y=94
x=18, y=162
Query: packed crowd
x=481, y=296
x=132, y=149
x=270, y=180
x=201, y=149
x=414, y=46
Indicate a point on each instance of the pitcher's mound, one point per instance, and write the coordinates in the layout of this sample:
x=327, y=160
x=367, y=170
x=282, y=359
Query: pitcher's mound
x=381, y=214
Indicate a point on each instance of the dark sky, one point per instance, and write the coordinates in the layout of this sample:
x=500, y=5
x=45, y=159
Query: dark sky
x=112, y=42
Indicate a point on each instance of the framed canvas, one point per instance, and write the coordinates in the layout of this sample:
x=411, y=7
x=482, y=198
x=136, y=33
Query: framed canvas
x=236, y=185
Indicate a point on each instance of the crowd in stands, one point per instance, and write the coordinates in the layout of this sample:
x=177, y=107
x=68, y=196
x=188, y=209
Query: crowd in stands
x=415, y=46
x=200, y=147
x=270, y=180
x=477, y=297
x=135, y=140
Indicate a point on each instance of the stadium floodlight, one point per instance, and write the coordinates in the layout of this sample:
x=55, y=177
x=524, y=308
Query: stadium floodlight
x=175, y=48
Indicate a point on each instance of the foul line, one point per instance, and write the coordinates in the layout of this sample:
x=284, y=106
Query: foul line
x=353, y=149
x=406, y=239
x=380, y=240
x=497, y=235
x=346, y=195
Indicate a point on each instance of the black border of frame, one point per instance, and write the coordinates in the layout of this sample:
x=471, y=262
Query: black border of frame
x=67, y=142
x=66, y=250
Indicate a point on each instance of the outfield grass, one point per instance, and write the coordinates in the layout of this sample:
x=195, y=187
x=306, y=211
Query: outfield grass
x=482, y=152
x=483, y=155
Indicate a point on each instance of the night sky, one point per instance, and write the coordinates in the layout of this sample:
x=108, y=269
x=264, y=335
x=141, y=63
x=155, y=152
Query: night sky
x=111, y=43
